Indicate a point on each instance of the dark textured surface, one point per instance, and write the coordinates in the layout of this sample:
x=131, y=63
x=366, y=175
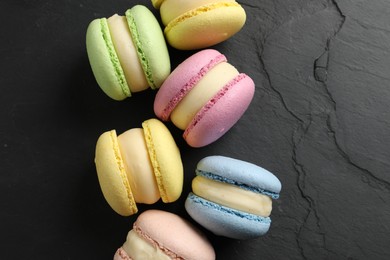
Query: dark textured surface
x=319, y=121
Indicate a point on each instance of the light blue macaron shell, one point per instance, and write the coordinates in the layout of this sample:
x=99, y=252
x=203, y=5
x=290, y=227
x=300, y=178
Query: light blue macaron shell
x=224, y=221
x=240, y=173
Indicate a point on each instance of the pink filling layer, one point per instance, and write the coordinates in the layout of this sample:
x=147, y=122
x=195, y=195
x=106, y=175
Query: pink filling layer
x=189, y=85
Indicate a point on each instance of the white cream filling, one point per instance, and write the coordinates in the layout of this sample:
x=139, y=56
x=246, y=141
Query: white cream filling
x=206, y=88
x=232, y=196
x=127, y=53
x=138, y=167
x=170, y=9
x=137, y=248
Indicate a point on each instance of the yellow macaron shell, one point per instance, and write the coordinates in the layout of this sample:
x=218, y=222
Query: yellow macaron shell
x=112, y=176
x=165, y=158
x=232, y=196
x=205, y=89
x=138, y=167
x=170, y=9
x=205, y=26
x=127, y=53
x=157, y=3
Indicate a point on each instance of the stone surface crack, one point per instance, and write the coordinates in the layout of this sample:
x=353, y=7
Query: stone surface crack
x=320, y=73
x=301, y=184
x=378, y=183
x=268, y=77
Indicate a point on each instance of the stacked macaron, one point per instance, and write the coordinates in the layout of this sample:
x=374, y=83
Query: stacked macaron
x=127, y=53
x=139, y=166
x=204, y=96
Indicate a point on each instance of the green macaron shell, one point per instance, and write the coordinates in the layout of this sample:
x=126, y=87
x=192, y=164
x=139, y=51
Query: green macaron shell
x=104, y=60
x=150, y=44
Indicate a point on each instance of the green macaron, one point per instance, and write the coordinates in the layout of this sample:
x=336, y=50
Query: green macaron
x=128, y=53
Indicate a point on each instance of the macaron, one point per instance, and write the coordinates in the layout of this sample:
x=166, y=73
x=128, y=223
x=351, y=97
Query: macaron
x=232, y=198
x=199, y=24
x=128, y=53
x=162, y=235
x=141, y=165
x=204, y=96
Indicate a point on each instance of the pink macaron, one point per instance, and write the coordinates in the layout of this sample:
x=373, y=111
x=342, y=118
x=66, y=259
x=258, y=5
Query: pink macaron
x=159, y=234
x=204, y=96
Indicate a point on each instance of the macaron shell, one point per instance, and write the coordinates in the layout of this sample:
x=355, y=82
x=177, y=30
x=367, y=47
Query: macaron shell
x=175, y=234
x=166, y=160
x=221, y=112
x=157, y=3
x=112, y=176
x=149, y=38
x=105, y=65
x=170, y=9
x=240, y=172
x=223, y=221
x=182, y=79
x=205, y=26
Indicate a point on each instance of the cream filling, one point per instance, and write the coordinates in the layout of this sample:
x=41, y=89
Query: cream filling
x=138, y=167
x=170, y=9
x=127, y=53
x=206, y=88
x=137, y=248
x=232, y=196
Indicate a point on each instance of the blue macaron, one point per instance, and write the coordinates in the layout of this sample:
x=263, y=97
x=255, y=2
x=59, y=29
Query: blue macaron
x=232, y=198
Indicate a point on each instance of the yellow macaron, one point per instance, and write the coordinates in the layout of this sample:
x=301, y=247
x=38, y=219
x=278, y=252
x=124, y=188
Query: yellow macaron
x=198, y=24
x=139, y=166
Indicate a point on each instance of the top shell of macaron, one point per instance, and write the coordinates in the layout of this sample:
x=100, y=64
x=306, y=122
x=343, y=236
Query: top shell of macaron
x=198, y=24
x=240, y=173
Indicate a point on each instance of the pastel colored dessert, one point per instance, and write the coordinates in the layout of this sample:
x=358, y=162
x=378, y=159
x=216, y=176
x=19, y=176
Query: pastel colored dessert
x=128, y=53
x=139, y=166
x=204, y=96
x=199, y=24
x=232, y=198
x=161, y=235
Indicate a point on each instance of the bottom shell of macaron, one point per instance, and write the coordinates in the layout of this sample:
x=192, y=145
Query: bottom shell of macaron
x=225, y=221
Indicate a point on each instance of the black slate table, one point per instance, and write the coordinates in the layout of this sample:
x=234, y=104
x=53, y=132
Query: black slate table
x=319, y=121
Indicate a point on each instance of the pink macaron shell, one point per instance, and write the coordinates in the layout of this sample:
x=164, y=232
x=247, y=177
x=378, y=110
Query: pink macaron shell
x=121, y=254
x=175, y=236
x=183, y=79
x=221, y=112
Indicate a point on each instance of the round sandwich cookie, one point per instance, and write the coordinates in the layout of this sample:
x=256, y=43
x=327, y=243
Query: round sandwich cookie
x=199, y=24
x=128, y=53
x=204, y=96
x=232, y=198
x=139, y=166
x=160, y=235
